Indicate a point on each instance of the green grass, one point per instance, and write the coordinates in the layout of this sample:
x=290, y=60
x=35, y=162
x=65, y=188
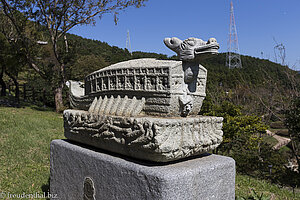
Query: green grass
x=270, y=140
x=285, y=150
x=244, y=184
x=25, y=136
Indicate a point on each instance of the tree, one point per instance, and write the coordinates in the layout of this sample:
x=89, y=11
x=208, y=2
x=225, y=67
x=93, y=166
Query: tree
x=58, y=17
x=86, y=64
x=3, y=45
x=239, y=131
x=292, y=122
x=12, y=54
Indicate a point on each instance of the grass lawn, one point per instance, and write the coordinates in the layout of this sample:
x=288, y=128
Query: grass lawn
x=270, y=140
x=25, y=136
x=244, y=185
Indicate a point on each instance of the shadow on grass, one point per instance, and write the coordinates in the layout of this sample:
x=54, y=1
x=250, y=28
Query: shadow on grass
x=40, y=108
x=46, y=188
x=9, y=101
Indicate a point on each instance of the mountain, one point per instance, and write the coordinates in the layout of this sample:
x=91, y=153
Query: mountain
x=98, y=54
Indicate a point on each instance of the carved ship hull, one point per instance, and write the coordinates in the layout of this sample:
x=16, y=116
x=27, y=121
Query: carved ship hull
x=155, y=85
x=149, y=138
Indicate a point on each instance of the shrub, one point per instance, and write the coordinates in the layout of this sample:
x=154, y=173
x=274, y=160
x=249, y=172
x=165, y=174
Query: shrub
x=243, y=140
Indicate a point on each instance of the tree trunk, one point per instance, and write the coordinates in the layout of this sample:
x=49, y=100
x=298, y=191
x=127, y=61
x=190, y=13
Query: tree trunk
x=295, y=150
x=58, y=97
x=2, y=83
x=58, y=91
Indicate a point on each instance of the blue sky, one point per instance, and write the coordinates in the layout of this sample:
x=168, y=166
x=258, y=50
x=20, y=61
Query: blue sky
x=257, y=21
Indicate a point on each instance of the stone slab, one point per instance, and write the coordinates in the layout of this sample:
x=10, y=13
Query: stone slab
x=150, y=138
x=77, y=171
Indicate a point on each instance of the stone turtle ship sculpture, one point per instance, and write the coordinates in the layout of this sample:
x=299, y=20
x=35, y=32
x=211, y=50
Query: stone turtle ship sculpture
x=147, y=108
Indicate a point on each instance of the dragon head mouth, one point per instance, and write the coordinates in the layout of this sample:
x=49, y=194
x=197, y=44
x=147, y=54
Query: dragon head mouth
x=192, y=48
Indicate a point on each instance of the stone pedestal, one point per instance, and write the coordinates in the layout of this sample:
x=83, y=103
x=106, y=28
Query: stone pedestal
x=79, y=172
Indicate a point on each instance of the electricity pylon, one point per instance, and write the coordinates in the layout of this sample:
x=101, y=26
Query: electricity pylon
x=128, y=44
x=233, y=58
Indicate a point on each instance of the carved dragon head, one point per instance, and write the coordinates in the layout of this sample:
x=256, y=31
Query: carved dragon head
x=192, y=48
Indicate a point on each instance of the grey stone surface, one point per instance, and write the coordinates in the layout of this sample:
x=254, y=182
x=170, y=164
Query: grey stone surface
x=150, y=138
x=167, y=87
x=191, y=51
x=192, y=48
x=76, y=95
x=81, y=173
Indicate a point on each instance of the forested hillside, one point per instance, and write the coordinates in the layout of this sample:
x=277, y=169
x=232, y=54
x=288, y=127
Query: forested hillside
x=261, y=86
x=90, y=55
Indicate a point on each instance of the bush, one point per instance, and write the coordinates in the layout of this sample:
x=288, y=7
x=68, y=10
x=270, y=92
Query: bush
x=244, y=141
x=292, y=122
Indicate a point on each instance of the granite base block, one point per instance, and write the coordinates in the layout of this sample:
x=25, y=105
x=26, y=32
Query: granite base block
x=78, y=172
